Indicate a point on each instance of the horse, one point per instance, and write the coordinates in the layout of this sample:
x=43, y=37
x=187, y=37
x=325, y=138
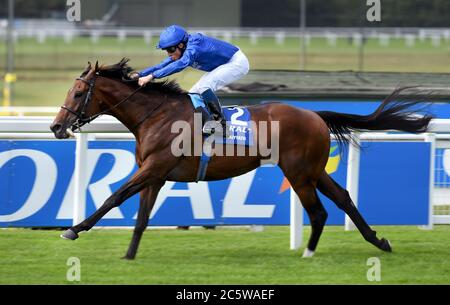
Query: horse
x=149, y=111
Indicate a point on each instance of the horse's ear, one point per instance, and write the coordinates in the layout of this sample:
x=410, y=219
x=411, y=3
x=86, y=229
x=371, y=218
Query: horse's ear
x=96, y=66
x=87, y=69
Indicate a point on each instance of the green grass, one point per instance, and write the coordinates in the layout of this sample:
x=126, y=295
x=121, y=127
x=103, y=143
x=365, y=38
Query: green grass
x=224, y=256
x=265, y=54
x=46, y=70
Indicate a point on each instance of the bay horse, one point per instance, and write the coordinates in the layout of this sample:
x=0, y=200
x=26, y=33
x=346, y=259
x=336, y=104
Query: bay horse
x=148, y=112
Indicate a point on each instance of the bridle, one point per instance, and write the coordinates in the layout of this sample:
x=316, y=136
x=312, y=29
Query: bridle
x=81, y=116
x=82, y=119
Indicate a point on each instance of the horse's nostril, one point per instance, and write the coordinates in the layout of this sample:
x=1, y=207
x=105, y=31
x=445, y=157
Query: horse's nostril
x=55, y=127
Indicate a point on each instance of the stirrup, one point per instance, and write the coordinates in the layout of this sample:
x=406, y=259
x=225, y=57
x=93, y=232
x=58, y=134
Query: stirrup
x=213, y=127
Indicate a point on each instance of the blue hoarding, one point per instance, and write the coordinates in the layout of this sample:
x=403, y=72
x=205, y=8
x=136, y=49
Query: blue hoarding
x=37, y=185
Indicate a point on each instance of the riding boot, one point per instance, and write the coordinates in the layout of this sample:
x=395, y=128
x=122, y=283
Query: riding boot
x=213, y=104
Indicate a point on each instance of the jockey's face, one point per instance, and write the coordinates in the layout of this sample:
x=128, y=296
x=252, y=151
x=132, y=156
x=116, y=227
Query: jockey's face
x=175, y=52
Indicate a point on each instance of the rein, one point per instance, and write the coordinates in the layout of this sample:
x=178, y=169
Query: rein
x=82, y=119
x=146, y=116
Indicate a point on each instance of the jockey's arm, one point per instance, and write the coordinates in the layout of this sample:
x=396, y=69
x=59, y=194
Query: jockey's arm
x=174, y=66
x=151, y=69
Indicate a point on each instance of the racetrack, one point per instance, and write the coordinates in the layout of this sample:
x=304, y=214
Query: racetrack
x=224, y=256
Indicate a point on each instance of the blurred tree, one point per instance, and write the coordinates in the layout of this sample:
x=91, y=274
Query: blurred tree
x=35, y=8
x=346, y=13
x=269, y=13
x=285, y=13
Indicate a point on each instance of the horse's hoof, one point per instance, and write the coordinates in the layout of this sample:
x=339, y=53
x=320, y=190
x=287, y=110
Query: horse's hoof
x=385, y=245
x=308, y=253
x=69, y=234
x=128, y=258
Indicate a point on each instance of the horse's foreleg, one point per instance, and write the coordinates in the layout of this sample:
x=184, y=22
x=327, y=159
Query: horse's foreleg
x=140, y=180
x=147, y=201
x=341, y=198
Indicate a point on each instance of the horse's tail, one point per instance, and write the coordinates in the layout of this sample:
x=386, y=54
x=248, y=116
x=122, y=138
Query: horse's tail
x=390, y=115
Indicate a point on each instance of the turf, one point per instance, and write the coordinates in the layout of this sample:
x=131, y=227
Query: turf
x=224, y=256
x=46, y=70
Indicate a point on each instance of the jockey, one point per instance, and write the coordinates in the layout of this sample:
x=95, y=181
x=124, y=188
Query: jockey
x=223, y=62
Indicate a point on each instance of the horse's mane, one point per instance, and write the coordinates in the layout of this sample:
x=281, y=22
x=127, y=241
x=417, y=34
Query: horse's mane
x=120, y=72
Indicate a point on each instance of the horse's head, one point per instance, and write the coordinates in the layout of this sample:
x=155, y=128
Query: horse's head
x=80, y=104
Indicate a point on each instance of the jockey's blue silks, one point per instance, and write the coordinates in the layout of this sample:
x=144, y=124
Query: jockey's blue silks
x=202, y=53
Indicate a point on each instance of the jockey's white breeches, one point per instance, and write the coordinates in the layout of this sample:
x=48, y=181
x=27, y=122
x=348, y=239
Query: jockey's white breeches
x=223, y=75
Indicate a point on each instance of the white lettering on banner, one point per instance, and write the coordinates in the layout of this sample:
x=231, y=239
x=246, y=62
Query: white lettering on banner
x=124, y=162
x=234, y=202
x=198, y=193
x=44, y=183
x=446, y=161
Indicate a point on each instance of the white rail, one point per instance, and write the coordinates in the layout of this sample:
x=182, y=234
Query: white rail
x=63, y=30
x=21, y=111
x=108, y=124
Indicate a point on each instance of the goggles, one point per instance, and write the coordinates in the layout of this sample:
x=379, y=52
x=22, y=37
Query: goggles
x=171, y=50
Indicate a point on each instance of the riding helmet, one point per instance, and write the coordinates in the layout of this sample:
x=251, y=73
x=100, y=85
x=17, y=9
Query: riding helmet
x=172, y=36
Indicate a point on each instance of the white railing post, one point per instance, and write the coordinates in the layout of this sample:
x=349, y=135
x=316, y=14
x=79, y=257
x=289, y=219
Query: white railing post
x=353, y=176
x=431, y=137
x=79, y=195
x=296, y=221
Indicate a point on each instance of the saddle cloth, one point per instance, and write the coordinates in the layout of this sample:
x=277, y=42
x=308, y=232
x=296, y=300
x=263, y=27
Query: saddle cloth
x=239, y=130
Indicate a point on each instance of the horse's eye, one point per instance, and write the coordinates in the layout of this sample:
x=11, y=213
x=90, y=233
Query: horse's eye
x=78, y=94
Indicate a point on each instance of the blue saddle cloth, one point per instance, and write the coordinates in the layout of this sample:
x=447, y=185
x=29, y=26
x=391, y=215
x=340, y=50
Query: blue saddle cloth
x=239, y=130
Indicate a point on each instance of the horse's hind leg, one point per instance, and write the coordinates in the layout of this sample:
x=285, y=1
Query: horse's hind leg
x=316, y=213
x=341, y=198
